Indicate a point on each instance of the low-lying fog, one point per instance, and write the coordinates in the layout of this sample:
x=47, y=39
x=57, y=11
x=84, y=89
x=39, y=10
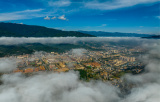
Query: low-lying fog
x=66, y=87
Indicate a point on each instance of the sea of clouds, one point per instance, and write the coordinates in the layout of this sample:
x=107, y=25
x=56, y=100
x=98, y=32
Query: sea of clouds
x=72, y=40
x=66, y=87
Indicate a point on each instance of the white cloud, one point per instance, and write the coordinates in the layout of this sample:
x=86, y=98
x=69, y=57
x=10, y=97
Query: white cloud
x=59, y=3
x=54, y=87
x=115, y=4
x=62, y=17
x=78, y=52
x=70, y=40
x=149, y=82
x=53, y=17
x=7, y=65
x=47, y=18
x=158, y=17
x=103, y=25
x=18, y=15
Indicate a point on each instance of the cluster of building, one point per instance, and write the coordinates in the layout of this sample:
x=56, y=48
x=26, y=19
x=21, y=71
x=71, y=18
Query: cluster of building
x=98, y=64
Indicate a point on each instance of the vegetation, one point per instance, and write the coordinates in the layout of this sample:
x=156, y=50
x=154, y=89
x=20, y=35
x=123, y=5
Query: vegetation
x=118, y=75
x=22, y=30
x=83, y=74
x=13, y=50
x=30, y=48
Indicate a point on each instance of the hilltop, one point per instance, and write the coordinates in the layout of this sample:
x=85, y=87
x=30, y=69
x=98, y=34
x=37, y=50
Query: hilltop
x=22, y=30
x=114, y=34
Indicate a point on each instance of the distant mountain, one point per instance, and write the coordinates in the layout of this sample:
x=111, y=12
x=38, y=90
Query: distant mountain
x=114, y=34
x=22, y=30
x=153, y=37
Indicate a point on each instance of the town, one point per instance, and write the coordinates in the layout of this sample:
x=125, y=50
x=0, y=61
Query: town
x=106, y=65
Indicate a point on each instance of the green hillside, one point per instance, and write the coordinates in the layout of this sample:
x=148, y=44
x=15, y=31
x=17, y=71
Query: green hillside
x=8, y=50
x=22, y=30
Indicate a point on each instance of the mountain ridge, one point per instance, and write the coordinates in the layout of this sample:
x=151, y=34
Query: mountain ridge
x=115, y=34
x=22, y=30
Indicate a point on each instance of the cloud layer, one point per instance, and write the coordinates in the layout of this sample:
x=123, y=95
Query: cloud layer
x=149, y=82
x=7, y=65
x=66, y=87
x=74, y=40
x=54, y=87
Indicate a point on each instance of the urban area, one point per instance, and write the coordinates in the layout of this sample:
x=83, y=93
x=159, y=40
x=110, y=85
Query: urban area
x=107, y=65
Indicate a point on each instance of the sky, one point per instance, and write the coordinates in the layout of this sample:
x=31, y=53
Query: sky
x=128, y=16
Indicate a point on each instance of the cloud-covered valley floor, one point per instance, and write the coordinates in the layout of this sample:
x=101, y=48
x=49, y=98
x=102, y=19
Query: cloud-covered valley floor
x=66, y=87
